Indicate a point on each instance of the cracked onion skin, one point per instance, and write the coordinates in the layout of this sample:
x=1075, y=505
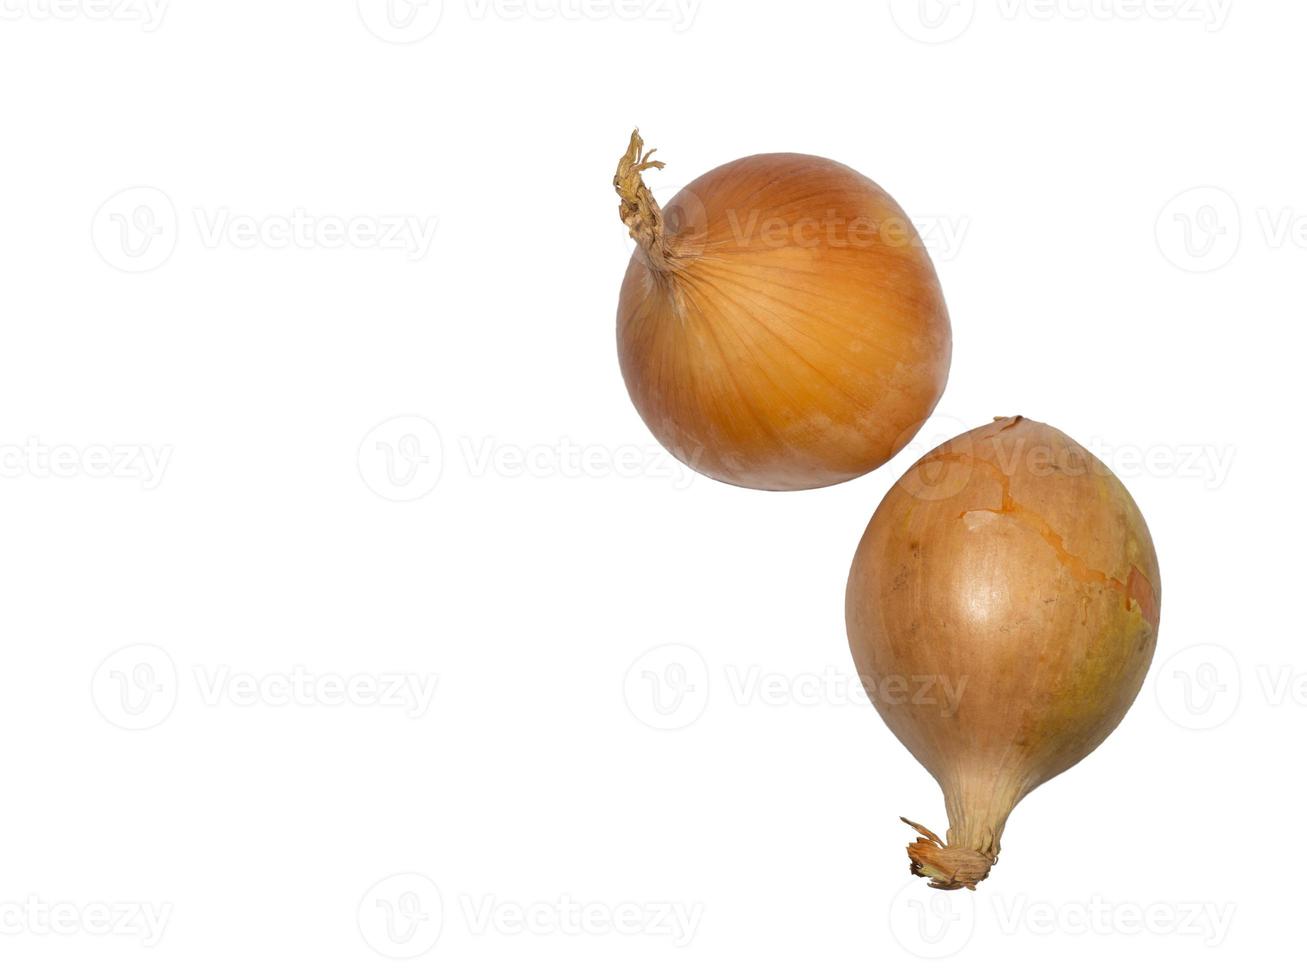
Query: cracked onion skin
x=782, y=328
x=1014, y=568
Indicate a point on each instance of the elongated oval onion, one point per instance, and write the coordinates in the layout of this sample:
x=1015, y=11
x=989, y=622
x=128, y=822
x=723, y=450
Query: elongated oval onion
x=781, y=326
x=1010, y=576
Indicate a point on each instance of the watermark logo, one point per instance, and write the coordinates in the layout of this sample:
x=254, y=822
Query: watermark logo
x=135, y=688
x=931, y=923
x=402, y=458
x=685, y=219
x=933, y=21
x=1202, y=686
x=135, y=230
x=934, y=476
x=667, y=687
x=939, y=21
x=1204, y=228
x=1199, y=229
x=401, y=21
x=948, y=469
x=401, y=917
x=1199, y=687
x=934, y=924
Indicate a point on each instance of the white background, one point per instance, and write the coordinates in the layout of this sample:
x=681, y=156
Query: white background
x=203, y=540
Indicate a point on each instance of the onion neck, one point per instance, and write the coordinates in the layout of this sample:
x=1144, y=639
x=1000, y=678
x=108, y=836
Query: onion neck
x=638, y=210
x=977, y=815
x=976, y=822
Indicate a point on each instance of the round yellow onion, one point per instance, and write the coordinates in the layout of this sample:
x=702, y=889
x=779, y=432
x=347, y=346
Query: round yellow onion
x=780, y=325
x=1010, y=576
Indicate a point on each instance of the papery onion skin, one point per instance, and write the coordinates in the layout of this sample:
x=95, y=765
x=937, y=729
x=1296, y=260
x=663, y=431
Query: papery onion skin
x=784, y=328
x=1012, y=566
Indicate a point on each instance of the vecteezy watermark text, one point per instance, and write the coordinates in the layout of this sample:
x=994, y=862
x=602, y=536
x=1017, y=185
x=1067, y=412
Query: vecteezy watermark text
x=138, y=687
x=403, y=459
x=138, y=229
x=941, y=235
x=403, y=915
x=147, y=13
x=567, y=459
x=35, y=916
x=405, y=233
x=668, y=688
x=410, y=21
x=940, y=21
x=567, y=916
x=39, y=460
x=944, y=473
x=680, y=14
x=301, y=687
x=934, y=925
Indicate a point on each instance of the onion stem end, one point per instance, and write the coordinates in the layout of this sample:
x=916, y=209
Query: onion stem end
x=638, y=210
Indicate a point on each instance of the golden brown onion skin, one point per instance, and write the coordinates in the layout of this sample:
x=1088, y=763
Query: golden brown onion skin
x=794, y=334
x=1012, y=565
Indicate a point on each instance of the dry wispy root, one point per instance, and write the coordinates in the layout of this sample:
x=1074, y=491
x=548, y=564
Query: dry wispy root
x=946, y=867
